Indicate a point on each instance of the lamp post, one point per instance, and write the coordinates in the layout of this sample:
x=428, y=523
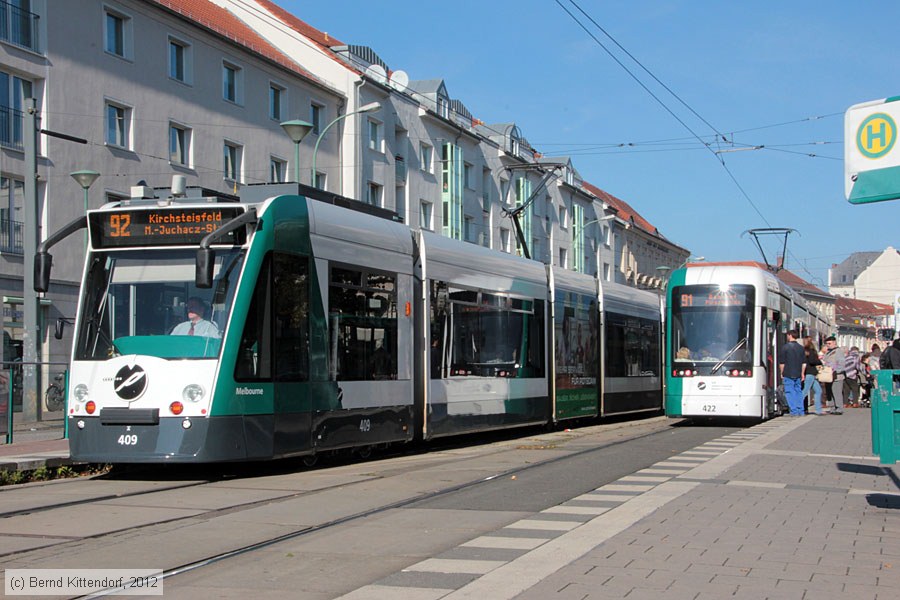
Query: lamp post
x=296, y=130
x=362, y=109
x=85, y=179
x=581, y=234
x=665, y=270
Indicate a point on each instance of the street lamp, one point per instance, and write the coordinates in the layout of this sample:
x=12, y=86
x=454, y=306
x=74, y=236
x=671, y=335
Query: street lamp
x=362, y=109
x=296, y=130
x=85, y=179
x=584, y=226
x=665, y=270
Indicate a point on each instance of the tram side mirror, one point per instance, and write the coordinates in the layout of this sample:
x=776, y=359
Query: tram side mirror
x=42, y=263
x=60, y=327
x=203, y=277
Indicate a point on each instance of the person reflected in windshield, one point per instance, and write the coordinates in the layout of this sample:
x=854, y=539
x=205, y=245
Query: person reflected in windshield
x=197, y=324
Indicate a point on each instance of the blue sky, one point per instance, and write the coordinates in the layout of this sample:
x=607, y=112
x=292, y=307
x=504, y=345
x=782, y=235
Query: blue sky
x=773, y=74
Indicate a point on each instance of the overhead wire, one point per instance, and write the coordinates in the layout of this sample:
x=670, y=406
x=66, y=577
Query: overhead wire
x=719, y=158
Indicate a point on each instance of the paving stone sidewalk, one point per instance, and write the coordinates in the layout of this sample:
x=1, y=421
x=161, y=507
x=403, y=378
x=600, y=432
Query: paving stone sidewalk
x=811, y=515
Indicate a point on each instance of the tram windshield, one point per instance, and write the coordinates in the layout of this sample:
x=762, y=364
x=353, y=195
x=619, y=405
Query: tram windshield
x=712, y=324
x=145, y=302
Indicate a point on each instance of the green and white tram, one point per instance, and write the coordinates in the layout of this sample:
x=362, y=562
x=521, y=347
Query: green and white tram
x=327, y=324
x=725, y=326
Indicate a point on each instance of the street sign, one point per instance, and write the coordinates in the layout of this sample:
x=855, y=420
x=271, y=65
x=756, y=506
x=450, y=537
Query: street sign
x=871, y=151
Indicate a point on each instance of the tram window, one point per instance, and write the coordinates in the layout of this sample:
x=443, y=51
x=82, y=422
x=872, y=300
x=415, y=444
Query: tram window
x=254, y=359
x=291, y=317
x=484, y=337
x=362, y=314
x=632, y=346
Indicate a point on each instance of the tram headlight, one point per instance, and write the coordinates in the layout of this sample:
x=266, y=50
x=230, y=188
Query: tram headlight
x=80, y=392
x=192, y=393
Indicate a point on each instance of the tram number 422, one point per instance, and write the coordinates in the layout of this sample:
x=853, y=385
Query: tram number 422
x=128, y=439
x=710, y=408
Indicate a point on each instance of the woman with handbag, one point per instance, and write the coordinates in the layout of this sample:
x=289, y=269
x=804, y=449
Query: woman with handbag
x=811, y=385
x=834, y=358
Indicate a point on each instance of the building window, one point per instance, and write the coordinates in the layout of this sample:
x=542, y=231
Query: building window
x=443, y=107
x=563, y=217
x=425, y=157
x=118, y=125
x=468, y=228
x=607, y=272
x=319, y=182
x=504, y=191
x=179, y=145
x=117, y=33
x=373, y=194
x=315, y=117
x=276, y=100
x=426, y=210
x=504, y=239
x=13, y=91
x=179, y=60
x=563, y=258
x=467, y=176
x=375, y=135
x=233, y=155
x=277, y=170
x=12, y=201
x=231, y=82
x=605, y=233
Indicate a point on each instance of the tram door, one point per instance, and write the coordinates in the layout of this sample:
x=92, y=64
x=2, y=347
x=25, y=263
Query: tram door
x=770, y=353
x=290, y=351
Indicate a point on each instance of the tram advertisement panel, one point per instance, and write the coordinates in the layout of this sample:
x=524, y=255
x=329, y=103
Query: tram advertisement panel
x=576, y=355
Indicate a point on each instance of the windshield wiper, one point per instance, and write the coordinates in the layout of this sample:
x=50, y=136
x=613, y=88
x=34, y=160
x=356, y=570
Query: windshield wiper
x=727, y=356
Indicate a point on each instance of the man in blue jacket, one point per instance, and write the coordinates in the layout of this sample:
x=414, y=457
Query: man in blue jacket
x=792, y=366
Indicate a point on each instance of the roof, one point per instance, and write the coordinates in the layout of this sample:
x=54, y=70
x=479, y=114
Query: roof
x=853, y=307
x=425, y=86
x=846, y=272
x=625, y=210
x=218, y=20
x=793, y=280
x=322, y=39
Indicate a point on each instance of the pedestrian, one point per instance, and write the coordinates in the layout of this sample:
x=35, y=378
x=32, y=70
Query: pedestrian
x=852, y=367
x=890, y=358
x=835, y=358
x=811, y=385
x=871, y=361
x=792, y=367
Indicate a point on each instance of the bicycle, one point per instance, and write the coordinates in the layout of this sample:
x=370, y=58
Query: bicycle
x=55, y=396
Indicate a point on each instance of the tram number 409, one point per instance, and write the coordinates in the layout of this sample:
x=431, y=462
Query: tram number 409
x=128, y=439
x=365, y=425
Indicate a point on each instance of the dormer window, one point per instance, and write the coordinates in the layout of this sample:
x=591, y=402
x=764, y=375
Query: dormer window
x=443, y=107
x=570, y=176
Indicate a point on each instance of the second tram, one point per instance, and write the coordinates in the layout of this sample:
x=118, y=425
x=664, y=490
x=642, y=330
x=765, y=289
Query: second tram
x=725, y=326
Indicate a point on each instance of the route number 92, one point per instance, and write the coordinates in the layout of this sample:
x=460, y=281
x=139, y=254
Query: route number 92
x=128, y=439
x=709, y=408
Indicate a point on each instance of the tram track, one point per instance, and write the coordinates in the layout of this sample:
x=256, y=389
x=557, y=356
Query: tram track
x=377, y=510
x=455, y=454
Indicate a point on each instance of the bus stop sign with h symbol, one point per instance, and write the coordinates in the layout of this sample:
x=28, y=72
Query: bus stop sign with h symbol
x=871, y=152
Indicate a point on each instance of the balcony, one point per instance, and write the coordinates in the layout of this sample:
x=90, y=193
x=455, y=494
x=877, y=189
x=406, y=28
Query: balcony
x=11, y=237
x=18, y=27
x=11, y=124
x=400, y=169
